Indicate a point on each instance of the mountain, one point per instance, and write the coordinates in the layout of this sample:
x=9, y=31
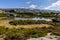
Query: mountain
x=27, y=10
x=23, y=10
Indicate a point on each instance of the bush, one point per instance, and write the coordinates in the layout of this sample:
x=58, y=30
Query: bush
x=25, y=33
x=26, y=22
x=22, y=33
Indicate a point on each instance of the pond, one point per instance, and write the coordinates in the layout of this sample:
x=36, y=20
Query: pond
x=16, y=18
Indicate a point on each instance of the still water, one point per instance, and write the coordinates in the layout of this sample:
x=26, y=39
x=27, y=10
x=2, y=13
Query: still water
x=47, y=19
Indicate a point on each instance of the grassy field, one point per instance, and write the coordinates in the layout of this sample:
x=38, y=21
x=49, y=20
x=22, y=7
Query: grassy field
x=18, y=32
x=6, y=24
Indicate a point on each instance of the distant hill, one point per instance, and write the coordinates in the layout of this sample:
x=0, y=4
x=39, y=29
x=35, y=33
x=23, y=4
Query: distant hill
x=25, y=10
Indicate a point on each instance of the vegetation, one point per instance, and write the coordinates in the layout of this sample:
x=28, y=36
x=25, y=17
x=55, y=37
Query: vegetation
x=27, y=22
x=25, y=33
x=55, y=30
x=30, y=15
x=22, y=33
x=2, y=15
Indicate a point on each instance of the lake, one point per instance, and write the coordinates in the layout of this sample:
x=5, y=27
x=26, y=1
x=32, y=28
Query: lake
x=16, y=18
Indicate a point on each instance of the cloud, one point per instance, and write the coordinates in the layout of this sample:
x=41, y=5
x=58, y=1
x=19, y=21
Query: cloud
x=28, y=2
x=33, y=6
x=54, y=6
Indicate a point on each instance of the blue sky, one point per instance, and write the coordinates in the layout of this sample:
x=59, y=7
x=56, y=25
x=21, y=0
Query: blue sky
x=46, y=4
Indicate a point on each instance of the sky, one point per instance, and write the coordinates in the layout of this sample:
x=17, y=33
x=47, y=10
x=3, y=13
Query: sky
x=38, y=4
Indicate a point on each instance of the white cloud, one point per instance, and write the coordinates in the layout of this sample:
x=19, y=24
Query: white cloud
x=54, y=6
x=28, y=2
x=33, y=6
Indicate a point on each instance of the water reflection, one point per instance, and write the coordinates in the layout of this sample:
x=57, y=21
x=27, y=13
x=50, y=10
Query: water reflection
x=16, y=18
x=29, y=19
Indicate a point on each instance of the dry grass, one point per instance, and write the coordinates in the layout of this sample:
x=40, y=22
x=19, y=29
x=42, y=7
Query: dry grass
x=6, y=24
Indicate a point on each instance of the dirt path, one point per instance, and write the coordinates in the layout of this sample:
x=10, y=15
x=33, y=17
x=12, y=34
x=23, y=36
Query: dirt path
x=6, y=24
